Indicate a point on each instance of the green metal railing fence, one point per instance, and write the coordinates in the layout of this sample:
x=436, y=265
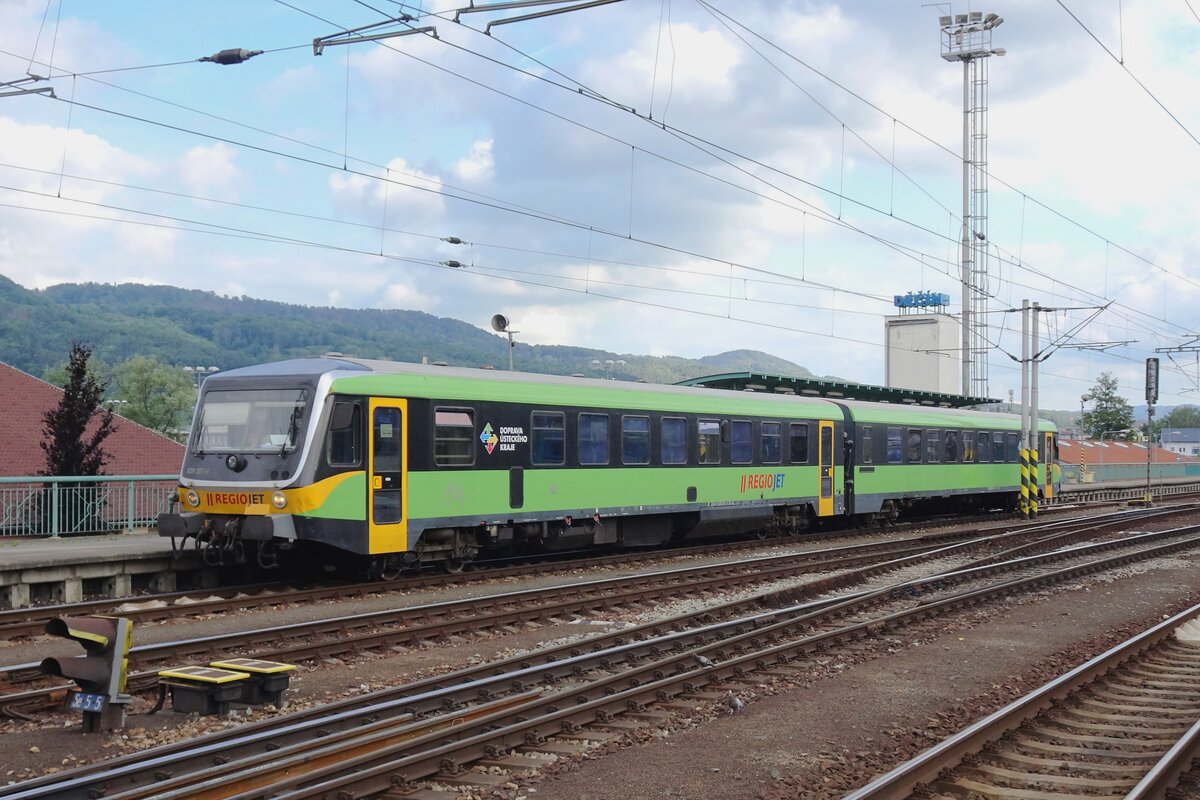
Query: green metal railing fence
x=1105, y=473
x=43, y=506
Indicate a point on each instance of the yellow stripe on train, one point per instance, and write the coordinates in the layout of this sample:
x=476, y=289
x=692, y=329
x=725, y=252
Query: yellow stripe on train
x=260, y=502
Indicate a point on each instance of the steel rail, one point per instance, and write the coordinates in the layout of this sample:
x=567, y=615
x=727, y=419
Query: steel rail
x=603, y=701
x=755, y=630
x=462, y=616
x=15, y=623
x=1165, y=774
x=901, y=781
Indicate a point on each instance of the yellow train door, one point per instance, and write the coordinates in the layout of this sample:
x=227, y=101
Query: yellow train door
x=1048, y=465
x=825, y=468
x=387, y=478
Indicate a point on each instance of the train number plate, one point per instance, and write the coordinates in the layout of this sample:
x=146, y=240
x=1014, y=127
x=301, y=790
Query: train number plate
x=84, y=701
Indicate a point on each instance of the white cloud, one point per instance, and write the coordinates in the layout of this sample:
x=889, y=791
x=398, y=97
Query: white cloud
x=411, y=195
x=478, y=164
x=210, y=170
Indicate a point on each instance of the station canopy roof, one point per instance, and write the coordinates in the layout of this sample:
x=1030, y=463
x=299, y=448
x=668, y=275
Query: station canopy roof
x=813, y=387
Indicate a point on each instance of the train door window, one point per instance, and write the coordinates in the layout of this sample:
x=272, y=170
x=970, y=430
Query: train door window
x=866, y=453
x=950, y=450
x=673, y=442
x=933, y=447
x=386, y=465
x=983, y=447
x=343, y=444
x=548, y=437
x=635, y=440
x=708, y=434
x=968, y=442
x=798, y=442
x=912, y=446
x=741, y=441
x=895, y=446
x=454, y=437
x=593, y=439
x=1011, y=447
x=771, y=442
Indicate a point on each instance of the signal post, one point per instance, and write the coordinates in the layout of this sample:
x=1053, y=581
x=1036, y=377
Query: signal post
x=100, y=672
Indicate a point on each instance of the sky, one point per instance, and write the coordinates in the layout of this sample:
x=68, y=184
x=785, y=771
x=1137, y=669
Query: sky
x=677, y=177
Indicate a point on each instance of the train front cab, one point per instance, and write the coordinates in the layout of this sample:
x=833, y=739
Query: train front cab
x=387, y=477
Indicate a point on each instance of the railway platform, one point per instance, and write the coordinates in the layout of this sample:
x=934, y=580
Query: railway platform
x=67, y=569
x=1127, y=490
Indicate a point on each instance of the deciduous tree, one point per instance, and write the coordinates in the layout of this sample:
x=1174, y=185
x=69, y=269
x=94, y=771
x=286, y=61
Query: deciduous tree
x=1111, y=414
x=156, y=395
x=1181, y=417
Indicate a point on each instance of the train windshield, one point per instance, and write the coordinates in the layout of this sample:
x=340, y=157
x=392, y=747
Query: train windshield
x=251, y=421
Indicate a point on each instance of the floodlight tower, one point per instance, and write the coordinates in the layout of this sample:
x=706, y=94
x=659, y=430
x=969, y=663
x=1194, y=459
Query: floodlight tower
x=968, y=38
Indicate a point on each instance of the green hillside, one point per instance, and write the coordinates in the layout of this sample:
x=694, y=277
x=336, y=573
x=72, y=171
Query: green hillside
x=182, y=326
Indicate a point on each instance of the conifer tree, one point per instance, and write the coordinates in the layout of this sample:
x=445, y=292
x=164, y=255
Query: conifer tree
x=65, y=441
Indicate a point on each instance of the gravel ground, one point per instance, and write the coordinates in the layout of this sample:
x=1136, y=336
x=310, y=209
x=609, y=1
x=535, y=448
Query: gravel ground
x=839, y=726
x=35, y=649
x=791, y=734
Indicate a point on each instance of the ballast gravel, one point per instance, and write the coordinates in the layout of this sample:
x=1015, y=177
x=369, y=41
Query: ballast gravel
x=851, y=715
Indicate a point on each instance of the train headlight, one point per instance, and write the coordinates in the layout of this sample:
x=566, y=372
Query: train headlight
x=279, y=500
x=193, y=499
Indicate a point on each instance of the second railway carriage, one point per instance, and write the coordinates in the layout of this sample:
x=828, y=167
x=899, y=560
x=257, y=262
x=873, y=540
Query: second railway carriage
x=943, y=458
x=396, y=464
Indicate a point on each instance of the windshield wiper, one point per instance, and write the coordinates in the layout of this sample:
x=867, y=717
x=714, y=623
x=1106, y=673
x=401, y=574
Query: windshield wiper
x=293, y=429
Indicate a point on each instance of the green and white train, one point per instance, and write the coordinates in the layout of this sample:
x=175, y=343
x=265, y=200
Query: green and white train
x=395, y=464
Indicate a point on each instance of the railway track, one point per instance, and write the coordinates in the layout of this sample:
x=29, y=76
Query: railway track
x=24, y=622
x=558, y=699
x=352, y=634
x=1122, y=725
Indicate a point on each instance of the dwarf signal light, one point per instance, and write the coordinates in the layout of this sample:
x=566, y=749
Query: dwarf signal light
x=100, y=672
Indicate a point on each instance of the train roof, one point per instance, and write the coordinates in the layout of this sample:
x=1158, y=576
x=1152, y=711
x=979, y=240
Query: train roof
x=376, y=376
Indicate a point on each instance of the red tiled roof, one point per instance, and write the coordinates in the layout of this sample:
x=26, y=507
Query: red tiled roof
x=1112, y=453
x=134, y=450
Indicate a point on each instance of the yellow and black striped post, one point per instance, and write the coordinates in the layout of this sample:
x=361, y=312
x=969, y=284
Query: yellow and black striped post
x=1024, y=482
x=1035, y=489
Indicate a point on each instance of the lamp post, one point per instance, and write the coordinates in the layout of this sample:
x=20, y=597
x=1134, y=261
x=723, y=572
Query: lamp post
x=200, y=373
x=607, y=365
x=968, y=38
x=502, y=324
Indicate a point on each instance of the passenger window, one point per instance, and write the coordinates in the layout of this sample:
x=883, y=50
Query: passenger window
x=708, y=433
x=593, y=439
x=983, y=447
x=635, y=440
x=895, y=446
x=673, y=444
x=741, y=442
x=912, y=446
x=968, y=443
x=867, y=454
x=933, y=446
x=771, y=436
x=1012, y=447
x=454, y=437
x=343, y=446
x=951, y=450
x=798, y=442
x=549, y=437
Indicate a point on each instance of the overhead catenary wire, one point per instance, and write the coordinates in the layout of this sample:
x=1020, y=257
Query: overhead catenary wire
x=1129, y=72
x=825, y=215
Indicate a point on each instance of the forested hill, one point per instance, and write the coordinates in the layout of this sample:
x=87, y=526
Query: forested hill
x=181, y=326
